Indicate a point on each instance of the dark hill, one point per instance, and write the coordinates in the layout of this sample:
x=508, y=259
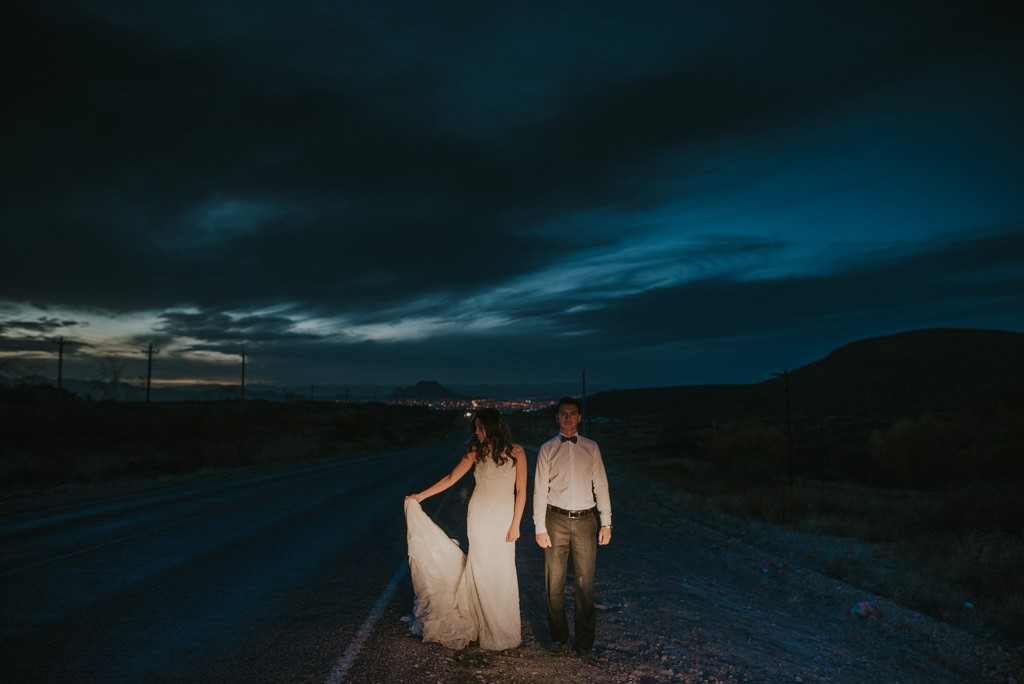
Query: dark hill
x=917, y=371
x=884, y=377
x=424, y=390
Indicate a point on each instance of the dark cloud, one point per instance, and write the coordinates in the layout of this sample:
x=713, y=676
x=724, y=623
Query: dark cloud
x=36, y=335
x=205, y=163
x=680, y=327
x=221, y=326
x=913, y=289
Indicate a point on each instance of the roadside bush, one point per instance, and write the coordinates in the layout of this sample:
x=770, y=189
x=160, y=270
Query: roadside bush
x=746, y=452
x=919, y=510
x=54, y=439
x=924, y=451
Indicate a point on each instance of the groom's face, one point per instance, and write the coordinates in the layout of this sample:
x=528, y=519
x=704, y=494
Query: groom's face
x=568, y=418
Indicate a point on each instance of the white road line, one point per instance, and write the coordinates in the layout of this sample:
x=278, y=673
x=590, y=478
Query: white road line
x=344, y=663
x=341, y=667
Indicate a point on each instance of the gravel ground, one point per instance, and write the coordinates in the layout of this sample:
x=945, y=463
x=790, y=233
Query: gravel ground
x=680, y=601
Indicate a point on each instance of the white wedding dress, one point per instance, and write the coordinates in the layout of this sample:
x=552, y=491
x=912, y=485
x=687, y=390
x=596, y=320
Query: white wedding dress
x=460, y=598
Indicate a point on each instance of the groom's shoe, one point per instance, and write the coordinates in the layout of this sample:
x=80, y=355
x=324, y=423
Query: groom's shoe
x=587, y=657
x=559, y=648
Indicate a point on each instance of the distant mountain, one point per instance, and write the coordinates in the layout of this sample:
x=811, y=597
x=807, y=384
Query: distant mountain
x=424, y=390
x=891, y=376
x=885, y=377
x=537, y=391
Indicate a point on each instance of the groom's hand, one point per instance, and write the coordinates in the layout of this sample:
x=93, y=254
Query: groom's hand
x=543, y=540
x=604, y=535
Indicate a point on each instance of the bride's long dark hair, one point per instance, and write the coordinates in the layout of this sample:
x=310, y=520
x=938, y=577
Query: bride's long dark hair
x=497, y=437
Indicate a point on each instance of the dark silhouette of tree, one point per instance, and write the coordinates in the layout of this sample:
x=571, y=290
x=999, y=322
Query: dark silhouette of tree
x=108, y=380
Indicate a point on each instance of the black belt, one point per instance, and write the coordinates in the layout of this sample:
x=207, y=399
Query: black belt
x=572, y=514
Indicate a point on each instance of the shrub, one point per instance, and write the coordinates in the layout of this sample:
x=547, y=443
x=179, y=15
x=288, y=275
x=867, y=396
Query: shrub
x=747, y=452
x=924, y=451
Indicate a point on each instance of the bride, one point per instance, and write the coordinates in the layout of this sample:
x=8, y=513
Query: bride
x=475, y=597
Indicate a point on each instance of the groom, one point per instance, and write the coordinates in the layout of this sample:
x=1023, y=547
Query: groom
x=569, y=482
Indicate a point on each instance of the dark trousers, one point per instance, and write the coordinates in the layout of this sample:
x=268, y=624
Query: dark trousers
x=576, y=537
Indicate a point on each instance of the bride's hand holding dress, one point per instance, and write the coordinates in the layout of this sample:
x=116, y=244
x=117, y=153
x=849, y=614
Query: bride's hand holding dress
x=472, y=597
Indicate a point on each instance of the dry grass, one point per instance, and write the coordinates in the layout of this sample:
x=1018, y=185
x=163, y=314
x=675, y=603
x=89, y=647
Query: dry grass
x=953, y=551
x=54, y=441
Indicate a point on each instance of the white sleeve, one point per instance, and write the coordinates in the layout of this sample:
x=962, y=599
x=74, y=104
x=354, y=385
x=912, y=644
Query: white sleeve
x=601, y=493
x=541, y=480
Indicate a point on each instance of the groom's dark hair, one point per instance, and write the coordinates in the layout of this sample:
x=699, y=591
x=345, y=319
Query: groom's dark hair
x=569, y=401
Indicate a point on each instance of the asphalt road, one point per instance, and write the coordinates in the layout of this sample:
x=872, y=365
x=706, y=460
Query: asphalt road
x=269, y=577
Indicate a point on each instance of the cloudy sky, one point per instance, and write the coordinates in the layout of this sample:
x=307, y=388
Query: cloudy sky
x=385, y=192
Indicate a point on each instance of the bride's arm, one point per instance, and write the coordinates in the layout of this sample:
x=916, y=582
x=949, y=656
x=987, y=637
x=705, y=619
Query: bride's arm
x=448, y=480
x=520, y=506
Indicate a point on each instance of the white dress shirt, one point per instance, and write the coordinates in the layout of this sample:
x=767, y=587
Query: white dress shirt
x=570, y=476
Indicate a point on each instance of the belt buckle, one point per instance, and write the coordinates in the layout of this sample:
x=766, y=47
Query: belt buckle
x=570, y=514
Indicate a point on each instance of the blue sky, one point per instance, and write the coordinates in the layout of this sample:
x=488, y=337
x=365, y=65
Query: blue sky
x=351, y=193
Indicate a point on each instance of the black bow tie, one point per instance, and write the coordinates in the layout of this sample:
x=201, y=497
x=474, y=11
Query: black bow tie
x=568, y=439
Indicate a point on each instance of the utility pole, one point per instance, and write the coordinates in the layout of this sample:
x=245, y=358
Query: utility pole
x=584, y=400
x=785, y=375
x=149, y=367
x=243, y=376
x=60, y=363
